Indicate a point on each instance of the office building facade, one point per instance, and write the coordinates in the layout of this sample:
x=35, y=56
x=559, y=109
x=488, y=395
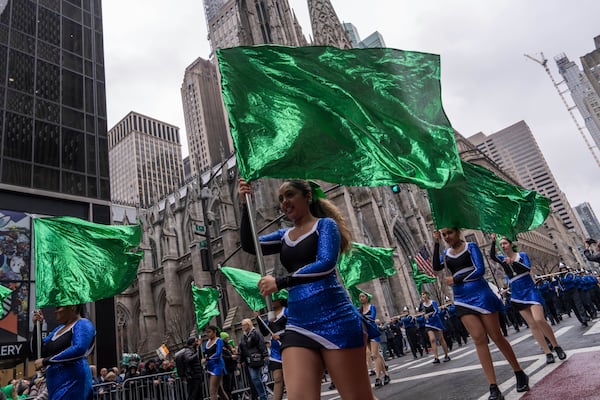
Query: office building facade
x=515, y=150
x=584, y=95
x=209, y=143
x=53, y=141
x=145, y=160
x=589, y=221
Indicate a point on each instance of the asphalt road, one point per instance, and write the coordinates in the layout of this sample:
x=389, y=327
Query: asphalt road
x=462, y=378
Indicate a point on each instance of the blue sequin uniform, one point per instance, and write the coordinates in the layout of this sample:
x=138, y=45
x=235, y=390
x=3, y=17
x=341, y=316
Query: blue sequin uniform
x=68, y=375
x=523, y=290
x=432, y=316
x=215, y=365
x=472, y=294
x=318, y=306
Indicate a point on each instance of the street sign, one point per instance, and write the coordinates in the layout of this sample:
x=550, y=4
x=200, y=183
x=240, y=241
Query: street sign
x=203, y=244
x=199, y=229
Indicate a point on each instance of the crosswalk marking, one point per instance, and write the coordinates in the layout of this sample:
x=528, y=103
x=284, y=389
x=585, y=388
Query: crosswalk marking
x=594, y=329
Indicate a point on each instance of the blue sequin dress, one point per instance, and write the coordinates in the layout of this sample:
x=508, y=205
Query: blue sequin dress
x=472, y=294
x=523, y=291
x=318, y=306
x=215, y=365
x=68, y=375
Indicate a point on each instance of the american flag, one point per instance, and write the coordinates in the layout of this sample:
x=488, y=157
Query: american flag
x=424, y=261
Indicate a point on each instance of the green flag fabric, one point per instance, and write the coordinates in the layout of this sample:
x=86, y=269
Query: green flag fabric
x=420, y=277
x=481, y=200
x=364, y=263
x=77, y=261
x=206, y=305
x=4, y=293
x=356, y=117
x=246, y=284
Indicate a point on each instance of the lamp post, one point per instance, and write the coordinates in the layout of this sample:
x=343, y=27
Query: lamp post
x=206, y=254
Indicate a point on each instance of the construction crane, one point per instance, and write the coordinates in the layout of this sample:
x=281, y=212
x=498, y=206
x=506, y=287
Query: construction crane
x=544, y=63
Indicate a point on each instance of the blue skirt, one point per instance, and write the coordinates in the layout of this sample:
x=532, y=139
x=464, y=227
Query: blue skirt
x=523, y=291
x=216, y=366
x=477, y=297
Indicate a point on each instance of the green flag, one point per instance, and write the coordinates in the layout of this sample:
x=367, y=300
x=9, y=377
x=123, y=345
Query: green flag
x=482, y=200
x=420, y=277
x=206, y=305
x=364, y=263
x=4, y=293
x=357, y=117
x=246, y=284
x=77, y=261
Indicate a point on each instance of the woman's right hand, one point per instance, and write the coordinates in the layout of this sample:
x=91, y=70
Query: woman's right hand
x=243, y=189
x=436, y=235
x=37, y=316
x=493, y=237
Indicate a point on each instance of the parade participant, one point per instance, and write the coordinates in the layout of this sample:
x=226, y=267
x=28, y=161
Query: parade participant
x=253, y=353
x=369, y=311
x=64, y=354
x=525, y=296
x=476, y=304
x=410, y=327
x=460, y=333
x=433, y=326
x=324, y=329
x=212, y=350
x=570, y=296
x=189, y=369
x=275, y=328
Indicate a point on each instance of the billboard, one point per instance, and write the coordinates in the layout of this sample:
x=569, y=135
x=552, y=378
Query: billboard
x=15, y=274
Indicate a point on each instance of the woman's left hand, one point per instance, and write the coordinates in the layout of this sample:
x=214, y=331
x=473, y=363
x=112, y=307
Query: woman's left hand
x=449, y=280
x=267, y=285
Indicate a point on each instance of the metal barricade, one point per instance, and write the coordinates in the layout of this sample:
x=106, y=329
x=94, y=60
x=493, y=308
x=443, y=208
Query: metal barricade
x=168, y=386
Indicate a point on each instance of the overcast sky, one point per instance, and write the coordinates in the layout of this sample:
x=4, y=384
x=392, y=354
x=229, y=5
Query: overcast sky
x=487, y=82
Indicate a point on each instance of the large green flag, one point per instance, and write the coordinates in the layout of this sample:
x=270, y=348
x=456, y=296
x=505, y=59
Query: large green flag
x=420, y=277
x=77, y=261
x=357, y=117
x=246, y=284
x=206, y=305
x=4, y=293
x=482, y=200
x=364, y=263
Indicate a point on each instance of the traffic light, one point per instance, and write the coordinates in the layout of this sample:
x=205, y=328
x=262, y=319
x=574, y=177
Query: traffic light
x=396, y=188
x=204, y=259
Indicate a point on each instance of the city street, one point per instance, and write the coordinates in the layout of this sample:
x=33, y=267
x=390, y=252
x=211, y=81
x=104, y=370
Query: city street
x=463, y=379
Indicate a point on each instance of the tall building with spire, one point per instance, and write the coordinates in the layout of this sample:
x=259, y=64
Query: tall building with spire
x=515, y=150
x=326, y=26
x=145, y=160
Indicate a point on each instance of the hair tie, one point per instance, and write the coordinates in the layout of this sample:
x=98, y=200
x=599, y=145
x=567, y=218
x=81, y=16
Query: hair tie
x=317, y=192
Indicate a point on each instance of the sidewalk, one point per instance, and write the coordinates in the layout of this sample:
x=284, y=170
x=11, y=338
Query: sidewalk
x=575, y=379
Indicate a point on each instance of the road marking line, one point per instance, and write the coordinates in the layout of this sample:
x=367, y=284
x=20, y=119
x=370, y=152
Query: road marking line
x=594, y=329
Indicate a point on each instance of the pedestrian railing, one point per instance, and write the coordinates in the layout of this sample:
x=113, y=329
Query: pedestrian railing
x=168, y=386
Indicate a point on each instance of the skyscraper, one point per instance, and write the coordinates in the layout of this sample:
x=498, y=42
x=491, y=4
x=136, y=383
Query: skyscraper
x=583, y=93
x=375, y=39
x=515, y=150
x=588, y=220
x=208, y=140
x=53, y=139
x=145, y=160
x=246, y=23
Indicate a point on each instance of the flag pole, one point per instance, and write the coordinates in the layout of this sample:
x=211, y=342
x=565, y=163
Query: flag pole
x=259, y=254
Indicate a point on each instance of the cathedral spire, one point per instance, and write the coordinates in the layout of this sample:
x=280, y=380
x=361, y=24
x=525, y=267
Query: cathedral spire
x=326, y=27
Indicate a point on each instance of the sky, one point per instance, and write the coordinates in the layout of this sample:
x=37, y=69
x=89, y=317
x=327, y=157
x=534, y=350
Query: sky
x=487, y=82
